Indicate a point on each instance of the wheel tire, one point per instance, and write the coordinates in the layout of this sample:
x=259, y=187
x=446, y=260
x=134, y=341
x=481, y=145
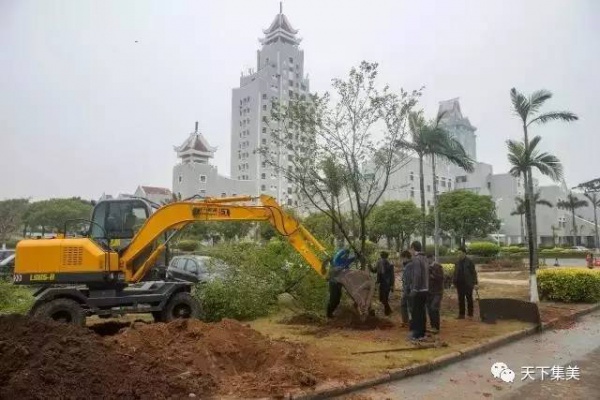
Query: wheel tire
x=181, y=305
x=62, y=310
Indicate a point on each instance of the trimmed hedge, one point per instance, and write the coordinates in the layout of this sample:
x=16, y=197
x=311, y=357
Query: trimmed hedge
x=484, y=249
x=443, y=250
x=569, y=285
x=187, y=245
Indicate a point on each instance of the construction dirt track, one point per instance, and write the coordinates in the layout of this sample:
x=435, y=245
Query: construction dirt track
x=42, y=359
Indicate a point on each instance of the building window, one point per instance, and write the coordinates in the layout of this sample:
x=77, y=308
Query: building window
x=412, y=176
x=263, y=164
x=264, y=107
x=273, y=187
x=461, y=179
x=449, y=185
x=289, y=202
x=443, y=183
x=264, y=141
x=489, y=185
x=263, y=187
x=291, y=82
x=264, y=129
x=428, y=188
x=412, y=192
x=290, y=157
x=180, y=178
x=263, y=176
x=264, y=118
x=289, y=190
x=291, y=60
x=428, y=203
x=264, y=96
x=291, y=94
x=202, y=191
x=203, y=178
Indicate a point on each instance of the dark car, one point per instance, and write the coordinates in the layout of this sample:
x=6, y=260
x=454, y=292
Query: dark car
x=6, y=253
x=192, y=268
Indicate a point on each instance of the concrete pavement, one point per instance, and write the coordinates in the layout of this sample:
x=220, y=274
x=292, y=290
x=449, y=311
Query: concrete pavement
x=472, y=379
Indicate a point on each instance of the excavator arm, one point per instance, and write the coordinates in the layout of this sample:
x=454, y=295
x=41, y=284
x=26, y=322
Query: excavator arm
x=177, y=215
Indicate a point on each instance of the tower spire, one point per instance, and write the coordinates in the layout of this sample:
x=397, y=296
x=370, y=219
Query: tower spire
x=281, y=7
x=196, y=127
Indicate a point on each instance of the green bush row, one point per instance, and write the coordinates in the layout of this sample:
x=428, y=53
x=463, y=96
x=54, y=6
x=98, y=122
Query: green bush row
x=483, y=249
x=569, y=285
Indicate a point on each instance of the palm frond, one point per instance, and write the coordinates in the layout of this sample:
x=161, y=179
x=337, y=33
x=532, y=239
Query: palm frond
x=520, y=104
x=593, y=198
x=566, y=116
x=548, y=165
x=537, y=99
x=544, y=203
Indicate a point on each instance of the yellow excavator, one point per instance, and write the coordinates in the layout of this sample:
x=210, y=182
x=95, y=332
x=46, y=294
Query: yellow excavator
x=88, y=275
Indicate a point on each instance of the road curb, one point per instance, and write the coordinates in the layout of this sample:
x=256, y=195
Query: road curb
x=442, y=361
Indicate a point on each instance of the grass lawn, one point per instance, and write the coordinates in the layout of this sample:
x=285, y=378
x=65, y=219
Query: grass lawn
x=338, y=340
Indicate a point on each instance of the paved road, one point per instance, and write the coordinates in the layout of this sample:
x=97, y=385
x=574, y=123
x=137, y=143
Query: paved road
x=517, y=282
x=471, y=379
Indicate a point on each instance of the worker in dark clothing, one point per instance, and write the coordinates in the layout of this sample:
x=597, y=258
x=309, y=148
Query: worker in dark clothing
x=405, y=303
x=465, y=280
x=419, y=287
x=341, y=261
x=386, y=280
x=436, y=291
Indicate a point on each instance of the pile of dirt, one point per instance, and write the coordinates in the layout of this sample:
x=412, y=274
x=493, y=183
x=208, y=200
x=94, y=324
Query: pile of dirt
x=44, y=359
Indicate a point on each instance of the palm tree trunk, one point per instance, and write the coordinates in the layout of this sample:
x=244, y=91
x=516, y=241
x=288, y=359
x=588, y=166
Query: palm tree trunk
x=436, y=214
x=422, y=190
x=595, y=223
x=531, y=228
x=522, y=230
x=574, y=227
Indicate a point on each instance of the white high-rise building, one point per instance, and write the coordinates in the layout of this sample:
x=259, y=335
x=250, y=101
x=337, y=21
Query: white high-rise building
x=279, y=76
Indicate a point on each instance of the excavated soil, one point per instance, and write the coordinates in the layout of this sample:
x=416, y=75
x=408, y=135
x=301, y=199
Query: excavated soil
x=345, y=318
x=44, y=359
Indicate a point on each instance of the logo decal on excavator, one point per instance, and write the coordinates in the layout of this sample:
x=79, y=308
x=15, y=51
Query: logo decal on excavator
x=212, y=211
x=41, y=277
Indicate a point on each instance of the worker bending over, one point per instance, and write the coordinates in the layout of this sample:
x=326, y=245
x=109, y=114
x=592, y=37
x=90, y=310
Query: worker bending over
x=341, y=261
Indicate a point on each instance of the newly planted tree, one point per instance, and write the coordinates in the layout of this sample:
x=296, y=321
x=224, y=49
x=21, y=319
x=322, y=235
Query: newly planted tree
x=342, y=147
x=528, y=111
x=572, y=204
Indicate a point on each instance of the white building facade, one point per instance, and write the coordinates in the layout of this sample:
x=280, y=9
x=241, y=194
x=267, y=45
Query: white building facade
x=279, y=77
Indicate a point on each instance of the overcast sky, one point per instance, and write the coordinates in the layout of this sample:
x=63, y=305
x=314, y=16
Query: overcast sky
x=85, y=109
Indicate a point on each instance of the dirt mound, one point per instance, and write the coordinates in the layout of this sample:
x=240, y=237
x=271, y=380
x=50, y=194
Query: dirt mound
x=44, y=359
x=345, y=318
x=238, y=359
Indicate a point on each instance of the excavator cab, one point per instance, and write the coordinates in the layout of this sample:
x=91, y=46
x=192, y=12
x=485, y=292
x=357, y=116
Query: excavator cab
x=115, y=222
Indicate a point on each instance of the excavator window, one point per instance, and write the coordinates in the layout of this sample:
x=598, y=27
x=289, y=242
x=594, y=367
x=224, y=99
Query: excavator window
x=120, y=219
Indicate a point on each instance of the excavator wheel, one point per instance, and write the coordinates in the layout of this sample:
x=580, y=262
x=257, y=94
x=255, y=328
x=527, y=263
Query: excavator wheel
x=181, y=305
x=62, y=310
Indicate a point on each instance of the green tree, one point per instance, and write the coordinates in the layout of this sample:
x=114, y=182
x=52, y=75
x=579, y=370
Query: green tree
x=429, y=139
x=572, y=203
x=52, y=214
x=11, y=217
x=520, y=207
x=595, y=202
x=522, y=159
x=396, y=220
x=319, y=225
x=528, y=111
x=353, y=134
x=466, y=215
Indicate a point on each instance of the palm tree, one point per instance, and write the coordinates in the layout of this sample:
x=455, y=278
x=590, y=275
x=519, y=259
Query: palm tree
x=523, y=159
x=520, y=207
x=572, y=203
x=429, y=139
x=595, y=201
x=528, y=110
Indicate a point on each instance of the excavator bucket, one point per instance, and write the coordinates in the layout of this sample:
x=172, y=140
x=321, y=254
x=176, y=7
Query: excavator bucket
x=360, y=287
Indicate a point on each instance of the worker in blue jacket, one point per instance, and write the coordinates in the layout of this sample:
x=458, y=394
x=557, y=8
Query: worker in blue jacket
x=341, y=261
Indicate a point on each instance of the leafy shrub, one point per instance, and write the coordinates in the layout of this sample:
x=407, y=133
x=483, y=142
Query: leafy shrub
x=448, y=274
x=569, y=285
x=187, y=245
x=443, y=250
x=514, y=249
x=484, y=249
x=259, y=274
